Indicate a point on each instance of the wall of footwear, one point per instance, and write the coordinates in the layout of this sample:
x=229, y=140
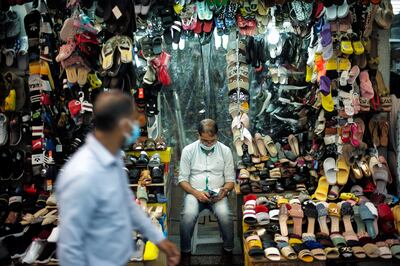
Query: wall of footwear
x=310, y=115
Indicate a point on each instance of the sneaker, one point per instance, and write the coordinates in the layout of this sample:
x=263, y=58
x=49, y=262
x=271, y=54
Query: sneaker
x=34, y=250
x=47, y=253
x=155, y=160
x=15, y=131
x=143, y=158
x=6, y=165
x=17, y=246
x=3, y=129
x=11, y=230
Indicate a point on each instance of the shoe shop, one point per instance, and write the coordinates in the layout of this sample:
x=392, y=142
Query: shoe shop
x=199, y=132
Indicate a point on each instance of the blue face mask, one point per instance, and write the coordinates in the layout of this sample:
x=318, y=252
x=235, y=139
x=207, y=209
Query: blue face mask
x=134, y=135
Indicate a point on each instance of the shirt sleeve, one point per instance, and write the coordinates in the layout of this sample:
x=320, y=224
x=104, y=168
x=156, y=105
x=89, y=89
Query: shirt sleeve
x=229, y=169
x=184, y=167
x=142, y=223
x=76, y=202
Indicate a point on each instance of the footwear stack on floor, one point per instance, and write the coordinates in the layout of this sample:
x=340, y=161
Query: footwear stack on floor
x=30, y=238
x=274, y=228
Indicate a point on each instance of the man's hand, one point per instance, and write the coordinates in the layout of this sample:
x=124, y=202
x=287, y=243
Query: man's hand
x=202, y=196
x=171, y=251
x=222, y=194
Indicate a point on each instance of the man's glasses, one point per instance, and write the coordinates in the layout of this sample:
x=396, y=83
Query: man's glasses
x=208, y=142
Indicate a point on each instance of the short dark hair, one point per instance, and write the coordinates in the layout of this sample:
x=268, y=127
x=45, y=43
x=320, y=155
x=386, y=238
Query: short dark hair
x=110, y=107
x=208, y=126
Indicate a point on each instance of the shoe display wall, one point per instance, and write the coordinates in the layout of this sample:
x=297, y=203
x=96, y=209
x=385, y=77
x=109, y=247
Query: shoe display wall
x=308, y=103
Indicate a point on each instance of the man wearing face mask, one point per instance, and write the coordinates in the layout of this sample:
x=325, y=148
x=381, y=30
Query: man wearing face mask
x=207, y=175
x=97, y=211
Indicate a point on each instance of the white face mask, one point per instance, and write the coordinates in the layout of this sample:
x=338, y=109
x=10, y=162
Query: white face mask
x=207, y=148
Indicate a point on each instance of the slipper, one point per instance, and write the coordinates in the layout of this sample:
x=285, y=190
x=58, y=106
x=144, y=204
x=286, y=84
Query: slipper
x=384, y=127
x=380, y=176
x=321, y=192
x=343, y=172
x=368, y=218
x=72, y=74
x=371, y=250
x=283, y=218
x=297, y=215
x=310, y=211
x=294, y=144
x=346, y=212
x=330, y=170
x=82, y=75
x=260, y=144
x=334, y=214
x=353, y=74
x=66, y=50
x=384, y=250
x=327, y=101
x=366, y=88
x=384, y=15
x=386, y=219
x=107, y=52
x=373, y=127
x=270, y=145
x=272, y=253
x=125, y=49
x=262, y=215
x=12, y=24
x=254, y=245
x=395, y=249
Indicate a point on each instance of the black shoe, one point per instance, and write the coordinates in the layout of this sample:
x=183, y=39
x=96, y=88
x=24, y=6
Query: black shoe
x=226, y=258
x=143, y=158
x=185, y=259
x=279, y=188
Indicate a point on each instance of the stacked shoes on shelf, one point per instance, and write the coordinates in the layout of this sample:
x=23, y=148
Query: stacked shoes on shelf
x=275, y=229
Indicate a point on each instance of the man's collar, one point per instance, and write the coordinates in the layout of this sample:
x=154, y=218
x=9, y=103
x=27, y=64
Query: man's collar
x=104, y=155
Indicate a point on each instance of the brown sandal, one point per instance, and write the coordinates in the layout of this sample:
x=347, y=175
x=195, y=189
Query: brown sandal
x=145, y=178
x=160, y=144
x=149, y=145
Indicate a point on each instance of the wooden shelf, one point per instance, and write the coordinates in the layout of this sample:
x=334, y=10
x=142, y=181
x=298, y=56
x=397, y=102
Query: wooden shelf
x=151, y=185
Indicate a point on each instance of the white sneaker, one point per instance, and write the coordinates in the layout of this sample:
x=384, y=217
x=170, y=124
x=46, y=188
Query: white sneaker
x=34, y=251
x=3, y=129
x=53, y=237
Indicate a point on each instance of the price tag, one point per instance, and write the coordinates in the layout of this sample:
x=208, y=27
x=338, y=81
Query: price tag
x=59, y=148
x=117, y=13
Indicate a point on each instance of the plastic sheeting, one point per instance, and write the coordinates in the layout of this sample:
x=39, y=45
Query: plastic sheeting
x=198, y=91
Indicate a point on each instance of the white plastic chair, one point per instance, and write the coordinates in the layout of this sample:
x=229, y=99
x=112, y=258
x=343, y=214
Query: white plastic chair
x=197, y=240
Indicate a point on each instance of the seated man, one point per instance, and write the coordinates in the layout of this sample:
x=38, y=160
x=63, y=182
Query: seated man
x=207, y=175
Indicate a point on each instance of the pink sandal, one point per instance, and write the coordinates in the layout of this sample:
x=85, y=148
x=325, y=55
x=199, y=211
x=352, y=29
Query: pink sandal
x=366, y=88
x=66, y=50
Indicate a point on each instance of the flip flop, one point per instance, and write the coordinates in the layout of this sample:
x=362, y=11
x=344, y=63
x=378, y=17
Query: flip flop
x=125, y=49
x=107, y=52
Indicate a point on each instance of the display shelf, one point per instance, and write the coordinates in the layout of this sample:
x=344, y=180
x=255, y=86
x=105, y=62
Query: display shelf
x=165, y=156
x=150, y=185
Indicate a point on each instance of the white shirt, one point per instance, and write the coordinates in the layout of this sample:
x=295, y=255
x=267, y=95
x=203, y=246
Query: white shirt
x=196, y=166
